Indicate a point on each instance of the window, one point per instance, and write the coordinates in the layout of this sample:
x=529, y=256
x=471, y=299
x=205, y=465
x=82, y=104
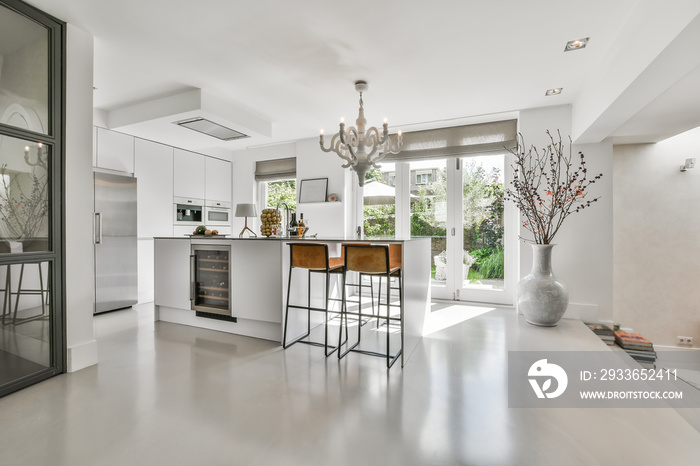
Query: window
x=280, y=191
x=277, y=182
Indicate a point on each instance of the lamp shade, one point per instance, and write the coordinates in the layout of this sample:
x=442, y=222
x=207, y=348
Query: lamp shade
x=246, y=210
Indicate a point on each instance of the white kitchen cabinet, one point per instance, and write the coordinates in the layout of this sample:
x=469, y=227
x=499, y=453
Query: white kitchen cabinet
x=115, y=151
x=217, y=180
x=172, y=273
x=154, y=171
x=255, y=297
x=188, y=180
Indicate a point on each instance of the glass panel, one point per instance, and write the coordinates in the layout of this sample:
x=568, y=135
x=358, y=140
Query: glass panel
x=482, y=213
x=25, y=345
x=212, y=280
x=282, y=191
x=429, y=211
x=24, y=196
x=379, y=199
x=216, y=216
x=24, y=73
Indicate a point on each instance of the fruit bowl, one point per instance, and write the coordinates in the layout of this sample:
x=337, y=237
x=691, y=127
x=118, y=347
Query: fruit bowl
x=203, y=231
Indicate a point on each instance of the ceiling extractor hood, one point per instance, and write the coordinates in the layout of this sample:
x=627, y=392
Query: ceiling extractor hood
x=208, y=127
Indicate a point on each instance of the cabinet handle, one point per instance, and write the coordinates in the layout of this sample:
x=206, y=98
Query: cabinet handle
x=98, y=228
x=193, y=260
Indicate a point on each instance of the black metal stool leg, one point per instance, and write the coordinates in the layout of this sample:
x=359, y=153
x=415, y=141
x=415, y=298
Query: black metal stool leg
x=7, y=297
x=286, y=312
x=388, y=320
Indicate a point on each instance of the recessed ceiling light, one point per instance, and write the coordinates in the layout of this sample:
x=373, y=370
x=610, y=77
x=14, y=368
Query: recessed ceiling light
x=577, y=44
x=553, y=91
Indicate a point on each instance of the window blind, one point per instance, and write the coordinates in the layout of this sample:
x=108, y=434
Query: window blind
x=277, y=169
x=457, y=141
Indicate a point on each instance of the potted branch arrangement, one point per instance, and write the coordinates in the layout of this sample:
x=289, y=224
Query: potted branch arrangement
x=548, y=186
x=24, y=205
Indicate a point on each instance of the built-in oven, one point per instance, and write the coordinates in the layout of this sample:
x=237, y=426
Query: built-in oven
x=217, y=213
x=189, y=211
x=210, y=279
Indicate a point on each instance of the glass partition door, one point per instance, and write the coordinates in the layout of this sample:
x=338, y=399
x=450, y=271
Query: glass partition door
x=32, y=344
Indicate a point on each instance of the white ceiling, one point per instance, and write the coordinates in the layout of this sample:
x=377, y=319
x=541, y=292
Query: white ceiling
x=292, y=64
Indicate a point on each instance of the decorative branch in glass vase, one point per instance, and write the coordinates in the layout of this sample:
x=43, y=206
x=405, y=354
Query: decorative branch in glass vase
x=548, y=186
x=24, y=214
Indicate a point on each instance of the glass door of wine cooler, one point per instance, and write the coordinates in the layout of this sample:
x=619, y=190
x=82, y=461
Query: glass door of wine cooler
x=210, y=279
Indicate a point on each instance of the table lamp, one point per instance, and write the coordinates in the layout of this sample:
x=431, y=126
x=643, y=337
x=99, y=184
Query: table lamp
x=246, y=210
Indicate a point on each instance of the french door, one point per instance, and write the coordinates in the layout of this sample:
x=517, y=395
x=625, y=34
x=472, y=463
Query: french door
x=459, y=204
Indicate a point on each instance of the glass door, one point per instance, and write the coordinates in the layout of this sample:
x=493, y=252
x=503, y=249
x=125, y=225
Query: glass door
x=484, y=264
x=429, y=205
x=459, y=205
x=211, y=279
x=32, y=345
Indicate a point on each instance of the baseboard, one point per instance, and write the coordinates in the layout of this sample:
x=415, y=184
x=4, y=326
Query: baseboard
x=82, y=356
x=252, y=328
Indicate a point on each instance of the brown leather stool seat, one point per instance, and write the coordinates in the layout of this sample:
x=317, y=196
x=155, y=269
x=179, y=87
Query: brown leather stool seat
x=375, y=260
x=312, y=257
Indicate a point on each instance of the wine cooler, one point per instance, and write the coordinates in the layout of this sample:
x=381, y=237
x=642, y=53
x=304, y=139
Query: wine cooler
x=210, y=279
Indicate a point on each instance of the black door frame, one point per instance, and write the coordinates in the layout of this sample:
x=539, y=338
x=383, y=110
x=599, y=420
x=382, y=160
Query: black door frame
x=55, y=140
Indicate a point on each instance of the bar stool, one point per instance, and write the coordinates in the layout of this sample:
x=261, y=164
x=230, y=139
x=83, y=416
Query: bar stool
x=375, y=260
x=395, y=262
x=341, y=260
x=44, y=293
x=313, y=258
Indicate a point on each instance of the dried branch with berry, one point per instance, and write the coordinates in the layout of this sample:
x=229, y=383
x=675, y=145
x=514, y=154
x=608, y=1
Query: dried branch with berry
x=548, y=186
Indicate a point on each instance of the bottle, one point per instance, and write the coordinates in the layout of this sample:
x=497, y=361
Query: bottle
x=301, y=227
x=293, y=225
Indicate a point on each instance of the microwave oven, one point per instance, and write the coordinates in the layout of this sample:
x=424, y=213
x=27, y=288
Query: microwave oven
x=188, y=211
x=217, y=213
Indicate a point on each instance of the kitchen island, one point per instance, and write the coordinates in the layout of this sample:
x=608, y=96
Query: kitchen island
x=257, y=280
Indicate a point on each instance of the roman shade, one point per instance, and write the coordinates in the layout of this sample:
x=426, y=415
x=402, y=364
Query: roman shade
x=457, y=141
x=277, y=169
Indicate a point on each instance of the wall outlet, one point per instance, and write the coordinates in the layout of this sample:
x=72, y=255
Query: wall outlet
x=684, y=341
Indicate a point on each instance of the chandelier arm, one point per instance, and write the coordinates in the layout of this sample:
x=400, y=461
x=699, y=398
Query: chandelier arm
x=393, y=147
x=372, y=137
x=338, y=148
x=351, y=141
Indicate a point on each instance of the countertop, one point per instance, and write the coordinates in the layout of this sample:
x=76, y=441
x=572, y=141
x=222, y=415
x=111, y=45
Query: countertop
x=275, y=238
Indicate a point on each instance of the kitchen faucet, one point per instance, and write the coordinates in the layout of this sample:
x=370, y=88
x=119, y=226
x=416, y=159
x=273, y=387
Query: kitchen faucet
x=286, y=218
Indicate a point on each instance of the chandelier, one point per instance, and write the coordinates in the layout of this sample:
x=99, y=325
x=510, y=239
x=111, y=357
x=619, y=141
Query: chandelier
x=41, y=156
x=362, y=149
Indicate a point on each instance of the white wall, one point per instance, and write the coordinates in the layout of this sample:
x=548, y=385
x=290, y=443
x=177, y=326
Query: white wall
x=326, y=220
x=79, y=205
x=583, y=257
x=656, y=239
x=244, y=184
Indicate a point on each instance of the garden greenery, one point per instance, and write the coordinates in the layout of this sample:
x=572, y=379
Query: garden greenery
x=483, y=197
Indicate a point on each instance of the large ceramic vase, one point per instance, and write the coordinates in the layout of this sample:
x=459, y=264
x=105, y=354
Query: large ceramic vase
x=541, y=298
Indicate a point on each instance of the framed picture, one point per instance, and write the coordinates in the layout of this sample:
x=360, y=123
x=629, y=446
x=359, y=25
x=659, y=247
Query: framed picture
x=314, y=190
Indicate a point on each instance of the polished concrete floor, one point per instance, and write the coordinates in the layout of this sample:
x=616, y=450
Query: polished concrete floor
x=166, y=394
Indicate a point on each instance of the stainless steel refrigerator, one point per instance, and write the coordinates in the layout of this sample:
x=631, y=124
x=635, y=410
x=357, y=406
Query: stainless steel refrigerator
x=116, y=263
